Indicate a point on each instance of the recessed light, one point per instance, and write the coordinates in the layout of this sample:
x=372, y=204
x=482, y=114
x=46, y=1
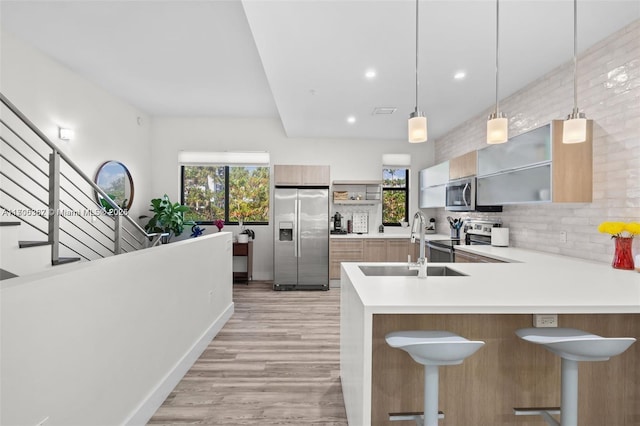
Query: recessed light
x=351, y=119
x=459, y=75
x=370, y=74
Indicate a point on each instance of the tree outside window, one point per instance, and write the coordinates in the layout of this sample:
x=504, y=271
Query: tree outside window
x=230, y=193
x=395, y=196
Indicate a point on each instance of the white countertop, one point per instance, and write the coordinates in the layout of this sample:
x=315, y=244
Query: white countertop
x=535, y=283
x=391, y=233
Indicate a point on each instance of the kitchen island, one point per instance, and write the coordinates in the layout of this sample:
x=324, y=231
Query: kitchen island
x=489, y=303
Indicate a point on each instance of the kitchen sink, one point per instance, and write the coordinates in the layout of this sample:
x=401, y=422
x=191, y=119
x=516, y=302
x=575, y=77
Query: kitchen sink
x=404, y=271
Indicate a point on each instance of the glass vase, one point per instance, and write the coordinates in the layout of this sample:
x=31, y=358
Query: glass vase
x=622, y=258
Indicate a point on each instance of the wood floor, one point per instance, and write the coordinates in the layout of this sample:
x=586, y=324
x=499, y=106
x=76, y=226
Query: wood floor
x=276, y=362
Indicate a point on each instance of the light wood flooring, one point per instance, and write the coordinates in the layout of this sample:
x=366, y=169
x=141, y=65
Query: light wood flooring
x=276, y=362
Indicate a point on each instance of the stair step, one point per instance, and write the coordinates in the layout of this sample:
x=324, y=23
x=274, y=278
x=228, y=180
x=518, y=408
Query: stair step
x=63, y=260
x=25, y=244
x=9, y=223
x=5, y=275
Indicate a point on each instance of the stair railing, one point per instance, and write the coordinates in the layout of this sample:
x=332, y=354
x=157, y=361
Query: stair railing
x=99, y=240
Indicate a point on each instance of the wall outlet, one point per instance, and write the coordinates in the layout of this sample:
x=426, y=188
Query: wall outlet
x=545, y=320
x=563, y=236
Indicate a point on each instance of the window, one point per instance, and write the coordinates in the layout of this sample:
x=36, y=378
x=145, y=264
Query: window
x=395, y=196
x=230, y=193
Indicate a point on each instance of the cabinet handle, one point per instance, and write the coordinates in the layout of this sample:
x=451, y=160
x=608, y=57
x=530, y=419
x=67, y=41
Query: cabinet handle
x=299, y=208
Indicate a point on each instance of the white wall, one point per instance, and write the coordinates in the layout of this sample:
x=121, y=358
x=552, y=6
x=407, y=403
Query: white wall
x=106, y=128
x=104, y=342
x=349, y=159
x=609, y=94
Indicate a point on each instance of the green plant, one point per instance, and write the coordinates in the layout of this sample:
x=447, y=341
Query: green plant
x=167, y=217
x=108, y=208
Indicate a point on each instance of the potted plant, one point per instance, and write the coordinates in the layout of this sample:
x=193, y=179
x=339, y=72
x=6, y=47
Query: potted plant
x=168, y=218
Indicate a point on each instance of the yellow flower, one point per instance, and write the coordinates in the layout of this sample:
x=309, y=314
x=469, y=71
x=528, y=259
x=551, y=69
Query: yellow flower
x=633, y=228
x=613, y=228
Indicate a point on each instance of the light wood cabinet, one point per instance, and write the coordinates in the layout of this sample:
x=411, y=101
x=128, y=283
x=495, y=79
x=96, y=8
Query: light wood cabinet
x=344, y=250
x=572, y=167
x=368, y=250
x=465, y=257
x=375, y=250
x=463, y=166
x=294, y=175
x=398, y=250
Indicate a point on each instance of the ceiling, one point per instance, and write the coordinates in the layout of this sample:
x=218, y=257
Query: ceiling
x=304, y=61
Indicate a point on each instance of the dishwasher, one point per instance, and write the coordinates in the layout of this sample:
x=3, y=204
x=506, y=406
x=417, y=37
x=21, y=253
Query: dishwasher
x=441, y=251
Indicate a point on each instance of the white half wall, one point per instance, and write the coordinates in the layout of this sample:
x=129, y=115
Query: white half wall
x=104, y=342
x=349, y=159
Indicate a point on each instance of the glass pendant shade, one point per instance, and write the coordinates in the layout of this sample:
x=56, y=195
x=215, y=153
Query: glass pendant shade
x=417, y=127
x=574, y=130
x=497, y=129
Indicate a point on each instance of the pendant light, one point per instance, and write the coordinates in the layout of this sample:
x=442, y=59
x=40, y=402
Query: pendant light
x=497, y=125
x=417, y=119
x=574, y=128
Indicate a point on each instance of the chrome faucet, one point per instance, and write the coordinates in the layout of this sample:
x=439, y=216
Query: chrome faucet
x=420, y=220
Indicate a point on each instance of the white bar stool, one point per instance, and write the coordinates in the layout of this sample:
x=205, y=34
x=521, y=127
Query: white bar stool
x=431, y=349
x=572, y=346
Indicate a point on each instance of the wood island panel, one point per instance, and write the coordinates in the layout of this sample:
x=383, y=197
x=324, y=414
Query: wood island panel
x=507, y=372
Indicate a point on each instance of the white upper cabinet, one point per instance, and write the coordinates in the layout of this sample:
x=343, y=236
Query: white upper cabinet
x=432, y=185
x=536, y=167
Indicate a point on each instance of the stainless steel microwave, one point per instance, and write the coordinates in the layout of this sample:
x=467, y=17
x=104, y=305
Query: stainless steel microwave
x=460, y=196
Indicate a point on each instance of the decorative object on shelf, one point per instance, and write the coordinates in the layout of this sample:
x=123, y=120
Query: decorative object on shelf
x=219, y=223
x=196, y=231
x=623, y=234
x=497, y=125
x=417, y=119
x=114, y=178
x=167, y=217
x=574, y=129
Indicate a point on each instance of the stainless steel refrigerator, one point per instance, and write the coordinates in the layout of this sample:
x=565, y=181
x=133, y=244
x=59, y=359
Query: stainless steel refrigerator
x=301, y=239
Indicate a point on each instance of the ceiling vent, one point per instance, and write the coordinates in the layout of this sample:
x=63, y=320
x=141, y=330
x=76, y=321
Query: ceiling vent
x=384, y=110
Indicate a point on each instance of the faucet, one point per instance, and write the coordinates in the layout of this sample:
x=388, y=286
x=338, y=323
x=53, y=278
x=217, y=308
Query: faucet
x=420, y=220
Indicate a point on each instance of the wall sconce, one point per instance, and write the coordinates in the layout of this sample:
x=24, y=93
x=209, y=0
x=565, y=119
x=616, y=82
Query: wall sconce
x=65, y=134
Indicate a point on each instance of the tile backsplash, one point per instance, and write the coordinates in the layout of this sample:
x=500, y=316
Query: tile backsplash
x=609, y=94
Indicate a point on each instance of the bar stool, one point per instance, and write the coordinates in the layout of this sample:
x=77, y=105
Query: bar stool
x=431, y=349
x=572, y=346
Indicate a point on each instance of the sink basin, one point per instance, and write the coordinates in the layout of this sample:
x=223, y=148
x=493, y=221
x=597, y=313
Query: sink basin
x=404, y=271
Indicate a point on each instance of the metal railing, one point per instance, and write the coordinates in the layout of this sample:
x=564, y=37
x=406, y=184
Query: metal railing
x=45, y=189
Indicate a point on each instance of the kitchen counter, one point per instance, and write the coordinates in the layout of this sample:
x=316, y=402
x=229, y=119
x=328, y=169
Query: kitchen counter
x=534, y=282
x=396, y=233
x=505, y=295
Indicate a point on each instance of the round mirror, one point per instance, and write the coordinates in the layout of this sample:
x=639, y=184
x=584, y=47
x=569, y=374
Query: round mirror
x=114, y=179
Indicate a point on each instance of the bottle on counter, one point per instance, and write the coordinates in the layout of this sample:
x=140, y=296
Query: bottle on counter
x=349, y=226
